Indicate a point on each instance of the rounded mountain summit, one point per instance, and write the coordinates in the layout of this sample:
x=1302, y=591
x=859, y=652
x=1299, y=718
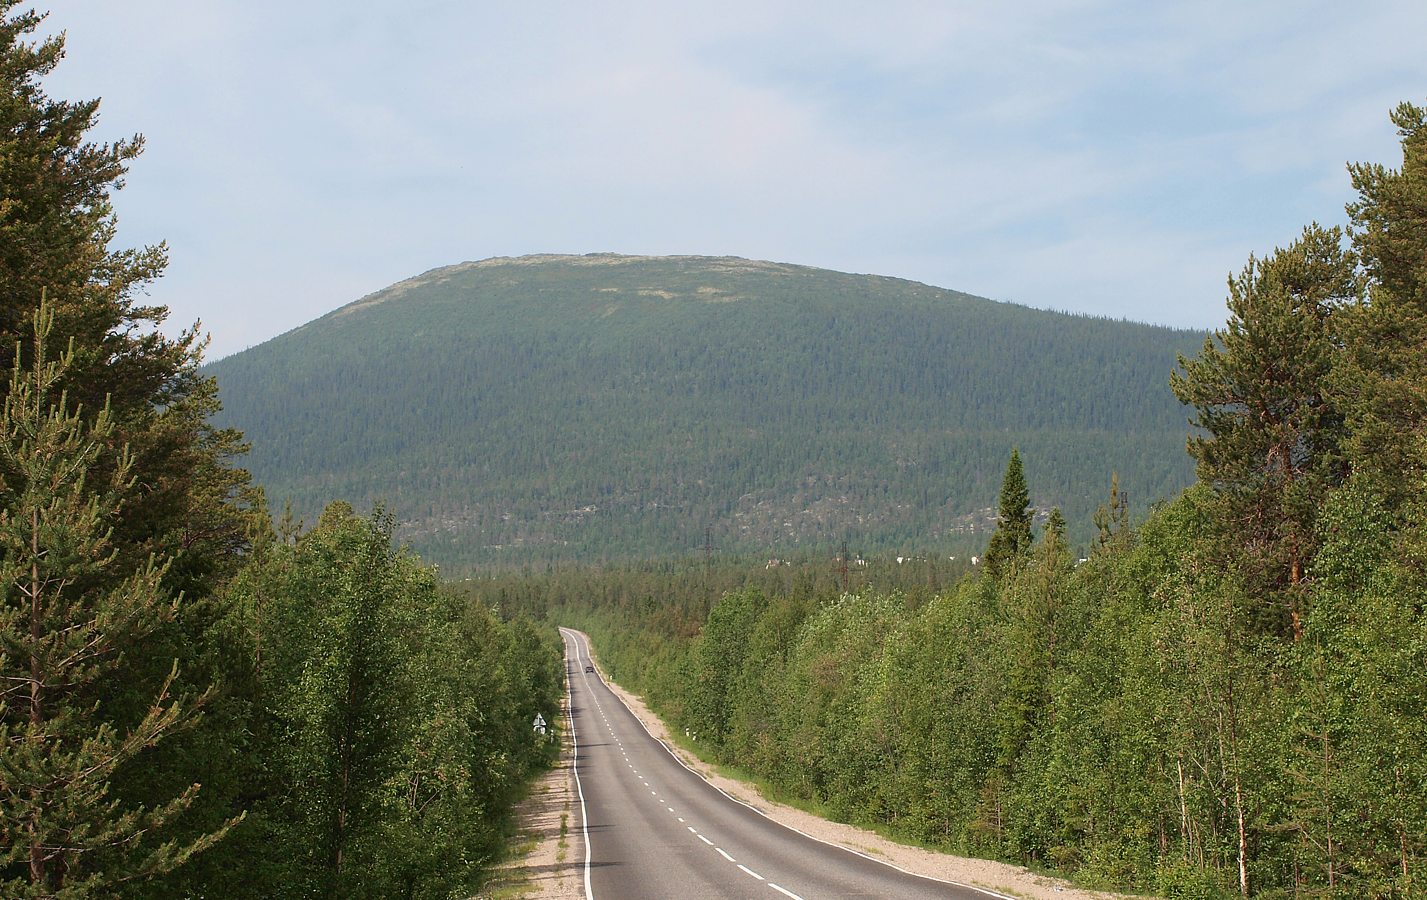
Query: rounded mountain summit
x=618, y=407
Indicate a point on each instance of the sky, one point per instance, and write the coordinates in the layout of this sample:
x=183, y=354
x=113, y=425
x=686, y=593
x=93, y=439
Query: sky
x=1117, y=158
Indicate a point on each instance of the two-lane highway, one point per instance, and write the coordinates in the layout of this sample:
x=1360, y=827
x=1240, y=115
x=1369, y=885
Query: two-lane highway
x=654, y=828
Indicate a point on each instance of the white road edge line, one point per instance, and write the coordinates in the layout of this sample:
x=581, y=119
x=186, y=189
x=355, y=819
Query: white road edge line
x=750, y=871
x=575, y=766
x=881, y=862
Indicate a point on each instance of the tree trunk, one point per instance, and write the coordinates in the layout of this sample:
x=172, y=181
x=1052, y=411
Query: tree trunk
x=345, y=753
x=37, y=699
x=1243, y=838
x=1184, y=833
x=1328, y=808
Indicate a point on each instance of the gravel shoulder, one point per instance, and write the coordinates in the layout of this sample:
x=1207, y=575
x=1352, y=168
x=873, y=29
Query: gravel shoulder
x=546, y=852
x=1001, y=877
x=551, y=867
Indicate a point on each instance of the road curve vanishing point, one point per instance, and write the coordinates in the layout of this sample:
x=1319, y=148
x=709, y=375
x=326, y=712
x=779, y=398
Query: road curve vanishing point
x=654, y=828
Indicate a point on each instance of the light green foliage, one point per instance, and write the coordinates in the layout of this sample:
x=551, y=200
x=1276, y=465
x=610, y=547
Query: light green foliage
x=835, y=738
x=758, y=705
x=1121, y=720
x=1113, y=516
x=398, y=717
x=1359, y=758
x=717, y=662
x=938, y=696
x=1228, y=698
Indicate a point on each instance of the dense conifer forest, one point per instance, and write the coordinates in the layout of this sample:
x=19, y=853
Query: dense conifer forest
x=606, y=407
x=1226, y=697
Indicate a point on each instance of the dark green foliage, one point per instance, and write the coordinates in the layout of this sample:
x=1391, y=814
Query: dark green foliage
x=1011, y=540
x=604, y=407
x=184, y=515
x=377, y=728
x=65, y=617
x=1273, y=429
x=1384, y=375
x=56, y=225
x=1140, y=718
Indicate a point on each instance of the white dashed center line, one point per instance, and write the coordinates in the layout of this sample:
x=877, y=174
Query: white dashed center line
x=692, y=830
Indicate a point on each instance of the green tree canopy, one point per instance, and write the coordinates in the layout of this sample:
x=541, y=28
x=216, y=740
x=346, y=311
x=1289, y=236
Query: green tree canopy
x=1261, y=389
x=1385, y=376
x=56, y=227
x=64, y=621
x=1012, y=539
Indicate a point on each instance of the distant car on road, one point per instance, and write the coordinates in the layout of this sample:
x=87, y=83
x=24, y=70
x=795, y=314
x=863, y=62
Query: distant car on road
x=589, y=668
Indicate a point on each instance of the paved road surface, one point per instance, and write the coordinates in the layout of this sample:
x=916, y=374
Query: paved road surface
x=653, y=828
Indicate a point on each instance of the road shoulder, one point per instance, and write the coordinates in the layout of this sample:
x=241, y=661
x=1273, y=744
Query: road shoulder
x=1000, y=877
x=546, y=850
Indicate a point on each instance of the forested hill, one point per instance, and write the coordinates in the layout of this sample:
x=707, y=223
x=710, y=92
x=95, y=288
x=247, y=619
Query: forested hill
x=557, y=407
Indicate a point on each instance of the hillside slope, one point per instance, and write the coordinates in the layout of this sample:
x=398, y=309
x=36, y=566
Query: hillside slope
x=604, y=406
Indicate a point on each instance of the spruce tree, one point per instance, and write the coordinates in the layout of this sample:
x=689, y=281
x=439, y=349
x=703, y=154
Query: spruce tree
x=66, y=616
x=1012, y=539
x=1113, y=517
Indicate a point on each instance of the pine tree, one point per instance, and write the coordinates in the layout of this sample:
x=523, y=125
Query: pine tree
x=56, y=227
x=188, y=505
x=1272, y=432
x=56, y=222
x=65, y=617
x=1385, y=378
x=1012, y=539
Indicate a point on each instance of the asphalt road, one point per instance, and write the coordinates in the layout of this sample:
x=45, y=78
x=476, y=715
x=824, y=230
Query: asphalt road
x=653, y=828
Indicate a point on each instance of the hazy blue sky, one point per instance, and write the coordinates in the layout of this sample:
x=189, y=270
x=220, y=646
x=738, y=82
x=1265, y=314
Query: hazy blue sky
x=1115, y=158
